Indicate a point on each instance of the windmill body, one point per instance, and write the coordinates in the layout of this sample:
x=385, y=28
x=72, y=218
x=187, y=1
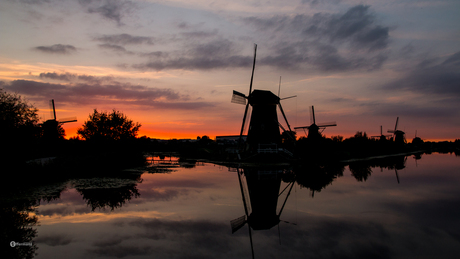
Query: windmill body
x=264, y=126
x=399, y=135
x=52, y=128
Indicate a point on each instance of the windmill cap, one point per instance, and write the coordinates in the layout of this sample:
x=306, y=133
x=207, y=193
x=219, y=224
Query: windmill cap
x=263, y=97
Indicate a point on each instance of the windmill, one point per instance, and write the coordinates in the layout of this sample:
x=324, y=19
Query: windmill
x=399, y=137
x=381, y=137
x=264, y=125
x=260, y=200
x=313, y=129
x=52, y=129
x=417, y=141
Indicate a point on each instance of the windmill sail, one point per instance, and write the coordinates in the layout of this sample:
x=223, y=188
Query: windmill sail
x=238, y=98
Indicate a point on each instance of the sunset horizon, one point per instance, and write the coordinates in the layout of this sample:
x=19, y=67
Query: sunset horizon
x=172, y=65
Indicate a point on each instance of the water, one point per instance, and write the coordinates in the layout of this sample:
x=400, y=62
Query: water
x=180, y=212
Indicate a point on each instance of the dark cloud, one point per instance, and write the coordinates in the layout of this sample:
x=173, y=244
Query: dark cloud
x=155, y=54
x=115, y=48
x=357, y=26
x=53, y=240
x=317, y=237
x=199, y=34
x=352, y=40
x=207, y=56
x=63, y=77
x=68, y=77
x=84, y=93
x=121, y=251
x=124, y=39
x=431, y=77
x=57, y=49
x=113, y=10
x=34, y=1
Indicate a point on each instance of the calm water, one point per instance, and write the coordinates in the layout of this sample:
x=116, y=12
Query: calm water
x=356, y=211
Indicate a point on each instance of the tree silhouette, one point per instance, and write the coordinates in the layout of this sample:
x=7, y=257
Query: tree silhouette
x=16, y=115
x=19, y=128
x=108, y=126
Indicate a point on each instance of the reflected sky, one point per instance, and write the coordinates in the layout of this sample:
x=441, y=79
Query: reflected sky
x=186, y=213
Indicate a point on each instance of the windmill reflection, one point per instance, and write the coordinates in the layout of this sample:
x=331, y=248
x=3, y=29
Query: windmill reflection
x=260, y=191
x=363, y=169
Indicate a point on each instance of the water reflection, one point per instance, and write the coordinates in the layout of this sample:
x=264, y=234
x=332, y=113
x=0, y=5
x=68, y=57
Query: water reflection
x=107, y=196
x=18, y=218
x=354, y=210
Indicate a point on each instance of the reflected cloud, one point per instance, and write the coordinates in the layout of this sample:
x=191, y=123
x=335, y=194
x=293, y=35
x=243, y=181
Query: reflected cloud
x=54, y=240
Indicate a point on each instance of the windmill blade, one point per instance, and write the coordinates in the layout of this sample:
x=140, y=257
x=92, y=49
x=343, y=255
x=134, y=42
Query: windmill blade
x=304, y=127
x=396, y=125
x=66, y=120
x=381, y=130
x=397, y=177
x=253, y=68
x=244, y=121
x=285, y=200
x=279, y=88
x=327, y=124
x=53, y=109
x=238, y=223
x=246, y=210
x=250, y=240
x=288, y=97
x=250, y=90
x=312, y=115
x=238, y=98
x=284, y=115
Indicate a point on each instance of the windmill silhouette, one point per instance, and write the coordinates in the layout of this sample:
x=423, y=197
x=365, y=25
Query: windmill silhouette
x=399, y=137
x=381, y=137
x=264, y=128
x=260, y=200
x=52, y=129
x=314, y=129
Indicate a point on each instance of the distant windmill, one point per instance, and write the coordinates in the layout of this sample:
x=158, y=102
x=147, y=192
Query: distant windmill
x=313, y=129
x=399, y=137
x=264, y=125
x=52, y=127
x=416, y=140
x=381, y=137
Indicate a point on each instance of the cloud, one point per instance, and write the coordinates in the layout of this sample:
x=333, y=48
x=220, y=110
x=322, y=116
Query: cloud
x=216, y=54
x=200, y=34
x=124, y=39
x=113, y=10
x=111, y=93
x=121, y=251
x=431, y=77
x=63, y=77
x=115, y=48
x=352, y=40
x=57, y=49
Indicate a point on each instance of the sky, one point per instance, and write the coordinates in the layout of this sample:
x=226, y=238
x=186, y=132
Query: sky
x=172, y=65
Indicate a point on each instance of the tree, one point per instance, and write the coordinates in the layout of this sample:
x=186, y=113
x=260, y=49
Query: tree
x=17, y=117
x=19, y=128
x=108, y=126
